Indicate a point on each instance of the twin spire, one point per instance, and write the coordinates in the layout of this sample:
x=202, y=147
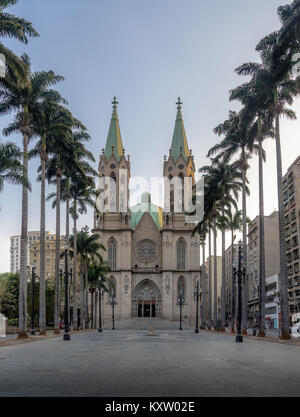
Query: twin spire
x=114, y=139
x=114, y=142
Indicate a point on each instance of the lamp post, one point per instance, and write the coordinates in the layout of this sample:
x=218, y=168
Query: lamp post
x=113, y=308
x=278, y=302
x=32, y=331
x=239, y=274
x=180, y=300
x=197, y=297
x=66, y=333
x=100, y=305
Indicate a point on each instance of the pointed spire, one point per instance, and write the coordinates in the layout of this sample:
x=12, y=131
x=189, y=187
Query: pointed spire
x=114, y=143
x=179, y=143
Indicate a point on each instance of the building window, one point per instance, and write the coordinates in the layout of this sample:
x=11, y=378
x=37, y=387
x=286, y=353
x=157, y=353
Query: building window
x=181, y=254
x=112, y=254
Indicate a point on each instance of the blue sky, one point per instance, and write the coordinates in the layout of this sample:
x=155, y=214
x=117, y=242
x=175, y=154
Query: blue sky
x=147, y=53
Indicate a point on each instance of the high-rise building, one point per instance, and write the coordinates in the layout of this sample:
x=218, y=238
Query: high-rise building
x=15, y=249
x=272, y=260
x=291, y=196
x=34, y=253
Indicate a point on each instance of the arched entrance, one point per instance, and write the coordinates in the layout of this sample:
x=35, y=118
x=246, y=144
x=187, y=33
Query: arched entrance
x=146, y=300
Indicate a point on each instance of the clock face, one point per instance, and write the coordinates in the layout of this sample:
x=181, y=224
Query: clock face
x=146, y=250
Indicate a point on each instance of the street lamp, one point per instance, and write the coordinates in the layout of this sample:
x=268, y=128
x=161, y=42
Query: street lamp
x=113, y=307
x=66, y=333
x=180, y=301
x=278, y=302
x=100, y=304
x=32, y=331
x=197, y=297
x=239, y=274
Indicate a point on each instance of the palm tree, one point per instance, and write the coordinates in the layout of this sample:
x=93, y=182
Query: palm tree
x=270, y=94
x=82, y=191
x=224, y=183
x=17, y=28
x=23, y=94
x=88, y=250
x=76, y=183
x=48, y=124
x=11, y=168
x=95, y=271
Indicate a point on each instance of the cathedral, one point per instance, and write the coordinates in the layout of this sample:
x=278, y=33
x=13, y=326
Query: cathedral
x=151, y=253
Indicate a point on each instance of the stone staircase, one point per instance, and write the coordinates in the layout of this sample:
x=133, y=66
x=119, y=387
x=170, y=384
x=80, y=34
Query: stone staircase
x=145, y=324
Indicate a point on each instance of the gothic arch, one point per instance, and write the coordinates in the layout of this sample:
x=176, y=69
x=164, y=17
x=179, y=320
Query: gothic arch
x=181, y=254
x=112, y=253
x=146, y=299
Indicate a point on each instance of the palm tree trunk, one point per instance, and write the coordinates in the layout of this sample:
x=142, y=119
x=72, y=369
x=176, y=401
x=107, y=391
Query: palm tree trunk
x=209, y=281
x=262, y=271
x=232, y=288
x=215, y=277
x=95, y=316
x=86, y=297
x=67, y=240
x=285, y=330
x=92, y=309
x=57, y=257
x=42, y=318
x=223, y=318
x=24, y=250
x=245, y=286
x=204, y=287
x=82, y=312
x=75, y=317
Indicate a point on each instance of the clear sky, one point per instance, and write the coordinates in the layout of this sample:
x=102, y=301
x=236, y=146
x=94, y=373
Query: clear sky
x=147, y=53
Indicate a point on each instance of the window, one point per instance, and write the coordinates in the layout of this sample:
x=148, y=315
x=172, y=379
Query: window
x=180, y=289
x=271, y=310
x=112, y=254
x=181, y=254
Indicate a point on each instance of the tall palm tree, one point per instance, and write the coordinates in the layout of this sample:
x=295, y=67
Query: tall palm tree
x=22, y=95
x=95, y=271
x=88, y=250
x=238, y=141
x=83, y=194
x=13, y=27
x=11, y=168
x=76, y=183
x=225, y=184
x=270, y=95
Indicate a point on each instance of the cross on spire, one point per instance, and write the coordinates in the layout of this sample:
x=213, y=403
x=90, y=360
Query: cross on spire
x=115, y=103
x=179, y=104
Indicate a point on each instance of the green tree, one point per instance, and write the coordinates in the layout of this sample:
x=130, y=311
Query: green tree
x=11, y=168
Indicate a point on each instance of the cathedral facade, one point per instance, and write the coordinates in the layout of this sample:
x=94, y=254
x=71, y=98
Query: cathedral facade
x=152, y=254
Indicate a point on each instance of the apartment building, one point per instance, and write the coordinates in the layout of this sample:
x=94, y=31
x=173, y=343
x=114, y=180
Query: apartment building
x=272, y=261
x=272, y=308
x=34, y=253
x=291, y=195
x=15, y=250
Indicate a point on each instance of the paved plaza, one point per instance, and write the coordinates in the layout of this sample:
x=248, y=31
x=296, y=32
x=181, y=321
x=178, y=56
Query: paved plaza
x=162, y=363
